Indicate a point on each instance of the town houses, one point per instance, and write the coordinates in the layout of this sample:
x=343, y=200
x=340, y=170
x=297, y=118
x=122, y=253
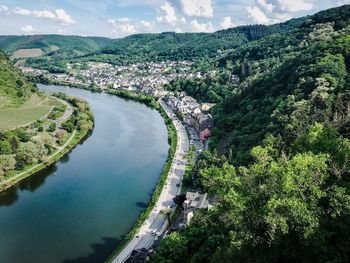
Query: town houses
x=146, y=77
x=192, y=113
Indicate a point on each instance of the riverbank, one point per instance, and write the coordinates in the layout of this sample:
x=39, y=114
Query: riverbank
x=152, y=102
x=77, y=135
x=157, y=222
x=172, y=140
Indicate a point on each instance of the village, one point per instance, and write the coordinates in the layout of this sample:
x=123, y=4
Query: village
x=150, y=78
x=146, y=77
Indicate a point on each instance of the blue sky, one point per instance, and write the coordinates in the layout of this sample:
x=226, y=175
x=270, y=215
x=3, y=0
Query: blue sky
x=118, y=18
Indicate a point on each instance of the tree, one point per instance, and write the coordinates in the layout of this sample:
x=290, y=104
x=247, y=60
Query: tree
x=5, y=147
x=167, y=212
x=23, y=135
x=52, y=127
x=173, y=249
x=14, y=143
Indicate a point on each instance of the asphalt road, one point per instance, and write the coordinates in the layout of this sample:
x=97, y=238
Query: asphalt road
x=156, y=220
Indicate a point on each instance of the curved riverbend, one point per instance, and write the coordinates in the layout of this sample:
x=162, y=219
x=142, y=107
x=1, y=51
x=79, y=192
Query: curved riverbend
x=79, y=209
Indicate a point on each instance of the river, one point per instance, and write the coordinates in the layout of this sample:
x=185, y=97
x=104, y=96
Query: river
x=78, y=209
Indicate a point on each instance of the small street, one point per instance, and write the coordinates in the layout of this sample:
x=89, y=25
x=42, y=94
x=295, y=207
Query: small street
x=156, y=224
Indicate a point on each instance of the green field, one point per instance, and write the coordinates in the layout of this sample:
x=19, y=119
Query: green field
x=35, y=108
x=11, y=118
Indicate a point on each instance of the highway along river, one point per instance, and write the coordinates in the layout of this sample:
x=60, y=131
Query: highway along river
x=78, y=209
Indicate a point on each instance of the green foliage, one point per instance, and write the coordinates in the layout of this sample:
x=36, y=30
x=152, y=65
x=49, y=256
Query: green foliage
x=52, y=127
x=172, y=250
x=23, y=135
x=184, y=46
x=14, y=88
x=297, y=79
x=283, y=188
x=56, y=48
x=5, y=147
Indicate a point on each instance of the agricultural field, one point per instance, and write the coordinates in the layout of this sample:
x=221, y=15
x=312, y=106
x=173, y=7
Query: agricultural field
x=35, y=108
x=27, y=53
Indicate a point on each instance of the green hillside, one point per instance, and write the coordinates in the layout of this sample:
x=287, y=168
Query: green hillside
x=185, y=46
x=53, y=43
x=14, y=88
x=135, y=48
x=50, y=52
x=282, y=184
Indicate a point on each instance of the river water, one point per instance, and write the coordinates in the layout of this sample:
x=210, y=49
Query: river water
x=78, y=209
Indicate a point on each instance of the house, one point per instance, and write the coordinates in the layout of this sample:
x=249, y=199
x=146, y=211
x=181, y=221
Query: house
x=205, y=134
x=235, y=79
x=196, y=200
x=207, y=106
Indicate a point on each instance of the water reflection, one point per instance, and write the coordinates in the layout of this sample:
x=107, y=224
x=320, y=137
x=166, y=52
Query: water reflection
x=104, y=248
x=70, y=211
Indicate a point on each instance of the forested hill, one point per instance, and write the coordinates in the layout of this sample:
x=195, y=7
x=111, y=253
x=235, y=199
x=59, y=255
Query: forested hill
x=14, y=87
x=283, y=185
x=76, y=45
x=283, y=78
x=186, y=46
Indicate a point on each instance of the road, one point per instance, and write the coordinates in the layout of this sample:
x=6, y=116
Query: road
x=64, y=117
x=68, y=112
x=156, y=220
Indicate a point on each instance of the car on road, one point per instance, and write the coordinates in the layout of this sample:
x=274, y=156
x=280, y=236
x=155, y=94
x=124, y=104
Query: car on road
x=154, y=232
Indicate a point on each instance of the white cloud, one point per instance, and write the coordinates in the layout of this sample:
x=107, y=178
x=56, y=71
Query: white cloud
x=226, y=22
x=280, y=17
x=125, y=26
x=258, y=16
x=169, y=15
x=294, y=5
x=266, y=5
x=342, y=2
x=22, y=11
x=122, y=27
x=63, y=17
x=62, y=31
x=44, y=14
x=59, y=15
x=28, y=29
x=3, y=8
x=199, y=8
x=201, y=27
x=146, y=26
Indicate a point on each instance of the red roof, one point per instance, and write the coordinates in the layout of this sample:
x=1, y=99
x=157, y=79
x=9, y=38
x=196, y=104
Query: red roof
x=205, y=134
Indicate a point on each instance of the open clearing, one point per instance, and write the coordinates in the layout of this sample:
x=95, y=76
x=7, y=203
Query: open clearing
x=35, y=108
x=27, y=53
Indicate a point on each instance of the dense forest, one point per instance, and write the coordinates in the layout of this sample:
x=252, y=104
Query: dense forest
x=58, y=50
x=15, y=89
x=186, y=46
x=280, y=163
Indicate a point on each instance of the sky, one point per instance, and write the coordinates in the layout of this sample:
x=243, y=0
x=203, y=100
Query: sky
x=119, y=18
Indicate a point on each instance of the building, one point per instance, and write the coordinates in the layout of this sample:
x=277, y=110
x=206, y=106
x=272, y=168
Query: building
x=196, y=200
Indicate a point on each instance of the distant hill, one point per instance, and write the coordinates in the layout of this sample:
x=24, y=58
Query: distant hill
x=51, y=52
x=186, y=46
x=281, y=166
x=14, y=87
x=50, y=44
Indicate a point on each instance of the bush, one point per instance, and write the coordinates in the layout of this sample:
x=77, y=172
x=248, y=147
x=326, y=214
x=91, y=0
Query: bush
x=52, y=127
x=5, y=147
